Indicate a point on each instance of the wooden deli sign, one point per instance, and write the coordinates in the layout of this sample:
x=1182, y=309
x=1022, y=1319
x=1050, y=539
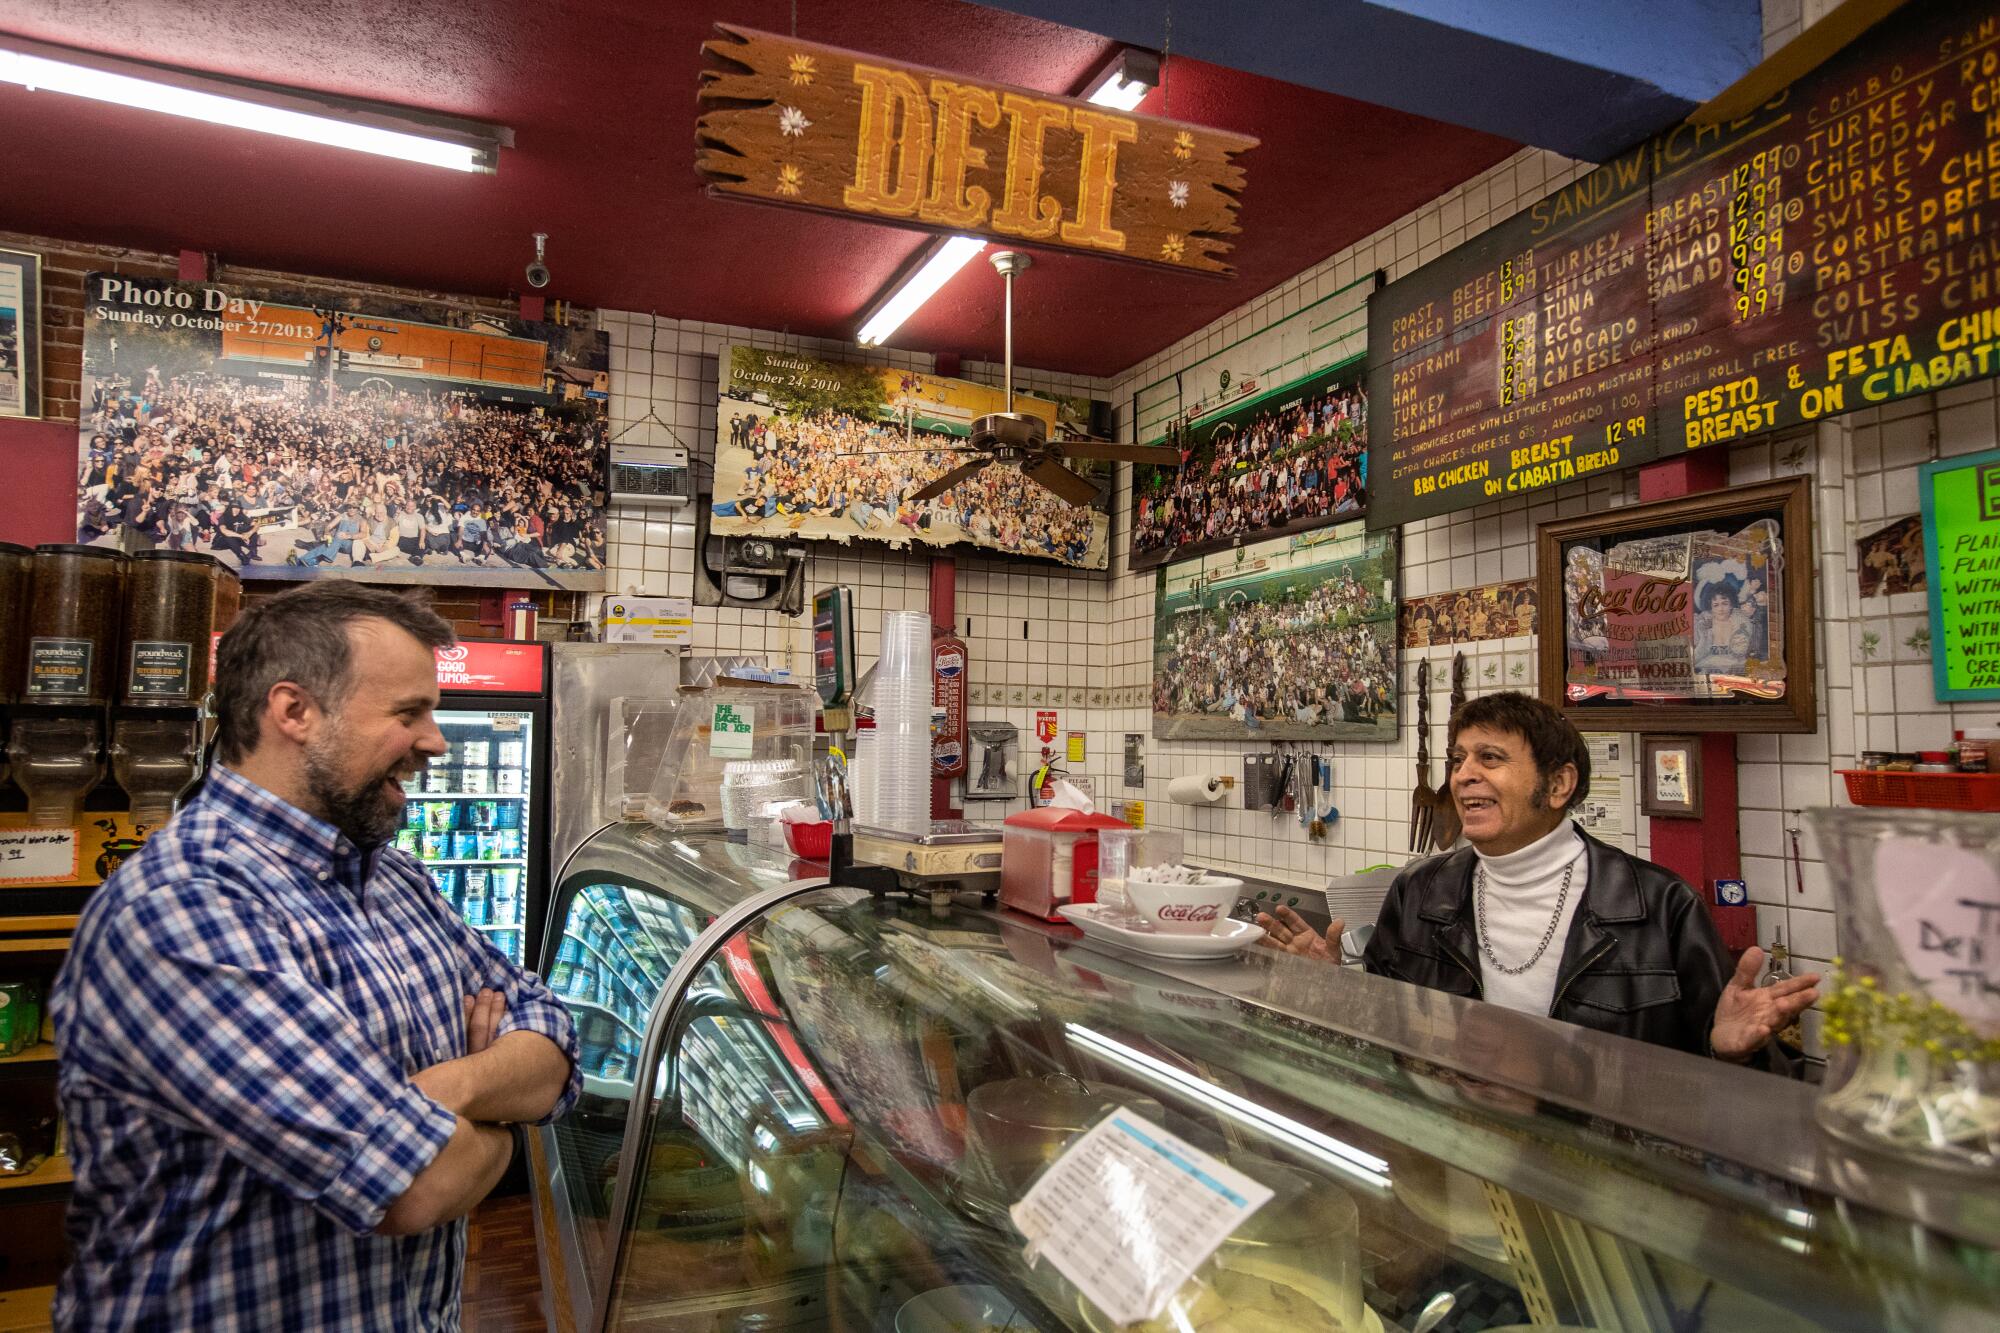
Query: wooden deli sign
x=809, y=126
x=1835, y=249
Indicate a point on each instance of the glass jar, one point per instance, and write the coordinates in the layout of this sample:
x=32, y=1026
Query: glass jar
x=16, y=562
x=1913, y=1007
x=76, y=604
x=169, y=609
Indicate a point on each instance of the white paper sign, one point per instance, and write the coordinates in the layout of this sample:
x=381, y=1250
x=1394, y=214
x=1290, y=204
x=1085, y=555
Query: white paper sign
x=1129, y=1211
x=37, y=855
x=732, y=732
x=1943, y=908
x=663, y=620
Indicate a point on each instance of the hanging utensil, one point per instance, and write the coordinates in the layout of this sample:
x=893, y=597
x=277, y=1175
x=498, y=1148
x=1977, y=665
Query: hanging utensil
x=1448, y=825
x=1422, y=796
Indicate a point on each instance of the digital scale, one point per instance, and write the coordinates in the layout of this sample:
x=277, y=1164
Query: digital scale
x=956, y=855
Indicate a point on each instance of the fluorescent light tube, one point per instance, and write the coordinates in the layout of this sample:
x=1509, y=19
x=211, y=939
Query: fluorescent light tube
x=1120, y=93
x=920, y=287
x=41, y=73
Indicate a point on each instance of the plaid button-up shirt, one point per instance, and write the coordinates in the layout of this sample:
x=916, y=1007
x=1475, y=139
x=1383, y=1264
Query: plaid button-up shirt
x=237, y=1023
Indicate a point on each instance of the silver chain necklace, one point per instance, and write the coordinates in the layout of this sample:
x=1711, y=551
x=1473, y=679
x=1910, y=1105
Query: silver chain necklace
x=1479, y=894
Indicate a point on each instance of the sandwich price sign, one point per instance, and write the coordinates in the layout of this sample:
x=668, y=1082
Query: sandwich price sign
x=1961, y=502
x=807, y=126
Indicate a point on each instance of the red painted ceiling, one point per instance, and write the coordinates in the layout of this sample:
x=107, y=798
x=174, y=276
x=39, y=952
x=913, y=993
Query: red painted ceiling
x=601, y=97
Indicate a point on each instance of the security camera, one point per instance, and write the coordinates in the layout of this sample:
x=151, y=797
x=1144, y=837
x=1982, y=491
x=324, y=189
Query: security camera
x=538, y=272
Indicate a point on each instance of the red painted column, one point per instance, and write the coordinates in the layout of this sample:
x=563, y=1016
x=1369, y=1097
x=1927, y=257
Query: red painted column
x=1706, y=849
x=944, y=618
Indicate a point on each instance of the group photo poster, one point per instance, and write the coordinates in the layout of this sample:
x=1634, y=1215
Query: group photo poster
x=1289, y=639
x=823, y=450
x=1285, y=461
x=293, y=435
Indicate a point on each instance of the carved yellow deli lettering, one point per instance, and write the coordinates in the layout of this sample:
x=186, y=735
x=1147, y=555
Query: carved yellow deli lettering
x=914, y=153
x=1727, y=412
x=892, y=152
x=1453, y=476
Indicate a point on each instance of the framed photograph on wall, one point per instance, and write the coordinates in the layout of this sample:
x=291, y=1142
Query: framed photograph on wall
x=20, y=334
x=1691, y=614
x=1670, y=777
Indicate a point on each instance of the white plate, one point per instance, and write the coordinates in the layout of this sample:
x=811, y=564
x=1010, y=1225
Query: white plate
x=1229, y=938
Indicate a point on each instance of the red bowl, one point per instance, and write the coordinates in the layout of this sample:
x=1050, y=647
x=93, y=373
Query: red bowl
x=812, y=841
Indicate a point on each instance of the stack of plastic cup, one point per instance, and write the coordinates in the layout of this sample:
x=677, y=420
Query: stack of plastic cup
x=901, y=748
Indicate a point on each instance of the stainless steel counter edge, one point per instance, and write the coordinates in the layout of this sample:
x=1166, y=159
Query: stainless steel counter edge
x=1739, y=1115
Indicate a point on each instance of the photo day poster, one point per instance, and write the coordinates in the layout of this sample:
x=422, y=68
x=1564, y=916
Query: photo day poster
x=832, y=450
x=1286, y=461
x=1292, y=639
x=292, y=437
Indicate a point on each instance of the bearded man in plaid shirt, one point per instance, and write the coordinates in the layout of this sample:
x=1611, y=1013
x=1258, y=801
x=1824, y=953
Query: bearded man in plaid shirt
x=287, y=1067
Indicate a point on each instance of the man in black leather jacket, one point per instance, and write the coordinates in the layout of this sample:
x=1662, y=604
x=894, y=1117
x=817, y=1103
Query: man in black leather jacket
x=1640, y=956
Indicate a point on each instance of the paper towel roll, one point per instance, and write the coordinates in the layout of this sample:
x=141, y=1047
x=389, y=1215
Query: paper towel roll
x=1195, y=791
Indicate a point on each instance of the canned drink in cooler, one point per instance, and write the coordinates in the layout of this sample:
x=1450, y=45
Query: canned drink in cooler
x=475, y=781
x=509, y=815
x=485, y=814
x=413, y=814
x=439, y=777
x=488, y=844
x=465, y=846
x=447, y=882
x=433, y=846
x=508, y=942
x=475, y=905
x=507, y=843
x=507, y=781
x=512, y=754
x=475, y=754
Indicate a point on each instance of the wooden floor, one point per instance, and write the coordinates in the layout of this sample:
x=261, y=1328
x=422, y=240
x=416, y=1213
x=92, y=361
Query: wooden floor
x=503, y=1280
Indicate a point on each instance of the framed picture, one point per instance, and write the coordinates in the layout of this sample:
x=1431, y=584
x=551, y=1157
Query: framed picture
x=1691, y=614
x=1286, y=640
x=1670, y=777
x=20, y=334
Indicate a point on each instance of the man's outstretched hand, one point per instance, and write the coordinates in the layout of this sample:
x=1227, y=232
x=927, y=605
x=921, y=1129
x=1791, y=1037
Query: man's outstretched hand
x=1749, y=1015
x=1289, y=931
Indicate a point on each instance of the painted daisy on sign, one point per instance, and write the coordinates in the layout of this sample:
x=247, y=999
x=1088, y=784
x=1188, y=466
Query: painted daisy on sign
x=1174, y=248
x=789, y=179
x=803, y=68
x=1183, y=145
x=793, y=121
x=1177, y=193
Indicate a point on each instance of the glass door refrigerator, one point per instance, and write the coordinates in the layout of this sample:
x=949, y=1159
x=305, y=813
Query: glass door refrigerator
x=478, y=816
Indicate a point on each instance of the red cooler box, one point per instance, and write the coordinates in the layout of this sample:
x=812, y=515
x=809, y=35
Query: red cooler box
x=1048, y=857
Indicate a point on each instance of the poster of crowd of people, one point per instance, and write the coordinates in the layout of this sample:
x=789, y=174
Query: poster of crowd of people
x=293, y=437
x=1285, y=461
x=829, y=450
x=1470, y=615
x=1288, y=639
x=1680, y=615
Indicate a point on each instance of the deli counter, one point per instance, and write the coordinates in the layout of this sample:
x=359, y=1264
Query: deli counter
x=848, y=1102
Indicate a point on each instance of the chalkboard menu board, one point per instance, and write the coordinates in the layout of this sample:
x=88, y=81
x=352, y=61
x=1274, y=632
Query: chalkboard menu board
x=1837, y=248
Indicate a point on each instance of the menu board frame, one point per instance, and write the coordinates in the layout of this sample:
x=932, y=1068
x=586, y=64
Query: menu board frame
x=1833, y=249
x=1941, y=569
x=1797, y=710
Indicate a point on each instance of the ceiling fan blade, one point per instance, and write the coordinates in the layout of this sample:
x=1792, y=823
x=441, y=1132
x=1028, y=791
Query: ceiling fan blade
x=949, y=480
x=1066, y=484
x=1111, y=452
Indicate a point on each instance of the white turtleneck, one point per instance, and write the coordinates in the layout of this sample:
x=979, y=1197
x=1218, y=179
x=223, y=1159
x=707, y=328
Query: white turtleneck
x=1521, y=889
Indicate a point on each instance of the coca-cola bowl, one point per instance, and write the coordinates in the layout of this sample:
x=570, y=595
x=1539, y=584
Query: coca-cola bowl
x=1183, y=909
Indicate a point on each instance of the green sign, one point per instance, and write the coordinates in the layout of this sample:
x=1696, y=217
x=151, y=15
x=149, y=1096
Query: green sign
x=733, y=731
x=1961, y=499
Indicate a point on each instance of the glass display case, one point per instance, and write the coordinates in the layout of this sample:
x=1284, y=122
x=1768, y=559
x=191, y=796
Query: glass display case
x=845, y=1102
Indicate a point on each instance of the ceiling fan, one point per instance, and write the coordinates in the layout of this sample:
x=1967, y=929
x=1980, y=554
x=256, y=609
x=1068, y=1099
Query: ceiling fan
x=1022, y=440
